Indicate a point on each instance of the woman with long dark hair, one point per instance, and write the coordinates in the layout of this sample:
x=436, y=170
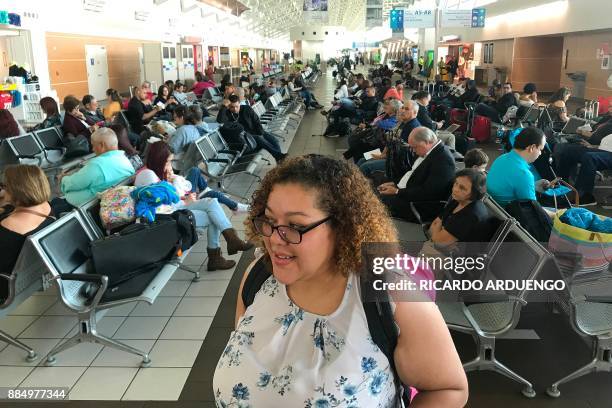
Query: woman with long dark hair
x=8, y=125
x=208, y=212
x=53, y=118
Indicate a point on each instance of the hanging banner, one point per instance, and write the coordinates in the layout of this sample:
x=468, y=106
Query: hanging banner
x=457, y=18
x=419, y=18
x=473, y=18
x=315, y=11
x=396, y=20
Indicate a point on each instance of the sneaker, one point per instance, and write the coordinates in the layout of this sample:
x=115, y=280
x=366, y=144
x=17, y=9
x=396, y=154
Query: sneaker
x=322, y=112
x=242, y=208
x=587, y=200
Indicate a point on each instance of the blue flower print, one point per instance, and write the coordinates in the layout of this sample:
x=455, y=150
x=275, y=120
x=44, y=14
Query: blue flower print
x=270, y=287
x=240, y=392
x=377, y=382
x=321, y=403
x=290, y=318
x=264, y=380
x=368, y=364
x=350, y=390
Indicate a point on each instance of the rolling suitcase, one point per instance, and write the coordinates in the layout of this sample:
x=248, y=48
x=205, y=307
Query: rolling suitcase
x=481, y=128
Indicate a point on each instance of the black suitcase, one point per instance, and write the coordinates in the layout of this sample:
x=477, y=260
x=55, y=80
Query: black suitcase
x=135, y=254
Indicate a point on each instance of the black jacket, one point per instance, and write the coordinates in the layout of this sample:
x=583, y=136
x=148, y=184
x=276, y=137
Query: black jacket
x=425, y=119
x=369, y=104
x=431, y=181
x=246, y=117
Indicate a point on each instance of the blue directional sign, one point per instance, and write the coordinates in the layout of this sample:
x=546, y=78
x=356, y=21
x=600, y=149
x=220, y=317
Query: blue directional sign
x=478, y=17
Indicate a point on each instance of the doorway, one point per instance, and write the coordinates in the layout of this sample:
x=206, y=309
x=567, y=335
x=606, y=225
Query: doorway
x=97, y=70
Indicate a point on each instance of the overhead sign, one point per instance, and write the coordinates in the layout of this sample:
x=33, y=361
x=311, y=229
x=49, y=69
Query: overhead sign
x=457, y=18
x=364, y=44
x=478, y=17
x=315, y=11
x=473, y=18
x=396, y=20
x=419, y=18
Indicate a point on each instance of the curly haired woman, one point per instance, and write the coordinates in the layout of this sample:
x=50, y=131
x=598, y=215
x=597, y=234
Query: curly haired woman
x=304, y=341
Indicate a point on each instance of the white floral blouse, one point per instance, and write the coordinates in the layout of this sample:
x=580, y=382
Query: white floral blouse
x=282, y=356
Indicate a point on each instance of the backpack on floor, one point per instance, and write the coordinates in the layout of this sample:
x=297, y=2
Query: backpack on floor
x=379, y=316
x=340, y=127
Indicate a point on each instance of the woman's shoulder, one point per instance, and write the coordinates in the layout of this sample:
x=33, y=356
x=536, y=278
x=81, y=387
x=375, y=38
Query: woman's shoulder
x=145, y=177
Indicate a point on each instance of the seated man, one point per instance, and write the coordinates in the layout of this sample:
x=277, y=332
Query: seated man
x=246, y=116
x=91, y=111
x=423, y=98
x=590, y=155
x=426, y=184
x=139, y=111
x=103, y=171
x=356, y=108
x=497, y=111
x=362, y=141
x=407, y=116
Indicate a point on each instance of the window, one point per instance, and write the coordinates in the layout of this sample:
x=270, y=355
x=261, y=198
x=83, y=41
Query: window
x=314, y=33
x=172, y=52
x=165, y=52
x=326, y=33
x=190, y=52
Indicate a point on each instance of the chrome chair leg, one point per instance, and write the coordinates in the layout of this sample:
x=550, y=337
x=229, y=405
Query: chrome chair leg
x=602, y=362
x=14, y=342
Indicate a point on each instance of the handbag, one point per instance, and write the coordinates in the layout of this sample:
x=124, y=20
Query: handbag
x=137, y=249
x=76, y=146
x=579, y=251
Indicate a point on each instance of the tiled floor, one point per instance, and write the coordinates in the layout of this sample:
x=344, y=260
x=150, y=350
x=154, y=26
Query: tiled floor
x=187, y=327
x=172, y=329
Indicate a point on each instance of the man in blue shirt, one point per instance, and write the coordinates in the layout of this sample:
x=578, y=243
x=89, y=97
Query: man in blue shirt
x=109, y=167
x=510, y=177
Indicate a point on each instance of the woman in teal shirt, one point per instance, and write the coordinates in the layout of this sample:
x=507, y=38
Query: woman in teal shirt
x=510, y=177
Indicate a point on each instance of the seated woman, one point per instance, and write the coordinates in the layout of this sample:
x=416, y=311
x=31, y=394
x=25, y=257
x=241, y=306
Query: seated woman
x=186, y=132
x=164, y=97
x=309, y=313
x=528, y=146
x=75, y=122
x=9, y=127
x=27, y=191
x=125, y=143
x=386, y=121
x=557, y=107
x=53, y=118
x=114, y=105
x=465, y=215
x=207, y=212
x=202, y=83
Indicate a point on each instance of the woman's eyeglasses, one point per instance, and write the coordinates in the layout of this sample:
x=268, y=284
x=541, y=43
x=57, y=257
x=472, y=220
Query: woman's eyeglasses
x=291, y=235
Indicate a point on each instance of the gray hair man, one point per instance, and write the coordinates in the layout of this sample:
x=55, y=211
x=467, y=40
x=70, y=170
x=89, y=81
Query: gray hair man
x=109, y=167
x=427, y=184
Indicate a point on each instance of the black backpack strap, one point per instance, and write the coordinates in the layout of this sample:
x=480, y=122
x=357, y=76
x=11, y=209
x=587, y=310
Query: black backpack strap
x=384, y=333
x=258, y=274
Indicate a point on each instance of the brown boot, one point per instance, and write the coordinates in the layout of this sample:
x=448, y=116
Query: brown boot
x=216, y=260
x=234, y=243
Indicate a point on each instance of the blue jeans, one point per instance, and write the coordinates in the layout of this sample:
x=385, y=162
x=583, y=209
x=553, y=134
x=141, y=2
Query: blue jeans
x=268, y=142
x=368, y=167
x=591, y=161
x=208, y=213
x=199, y=183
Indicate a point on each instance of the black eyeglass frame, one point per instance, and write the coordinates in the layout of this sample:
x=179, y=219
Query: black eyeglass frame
x=300, y=231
